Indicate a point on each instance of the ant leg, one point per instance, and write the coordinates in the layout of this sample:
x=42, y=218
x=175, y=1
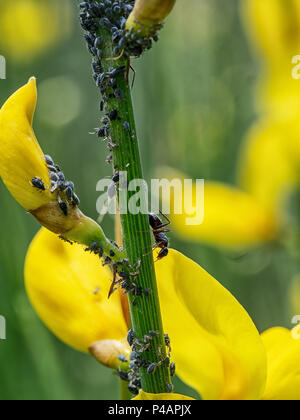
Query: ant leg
x=167, y=219
x=153, y=249
x=129, y=67
x=134, y=75
x=113, y=284
x=116, y=58
x=162, y=231
x=127, y=72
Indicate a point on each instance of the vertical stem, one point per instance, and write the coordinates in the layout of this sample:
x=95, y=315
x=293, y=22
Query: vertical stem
x=136, y=235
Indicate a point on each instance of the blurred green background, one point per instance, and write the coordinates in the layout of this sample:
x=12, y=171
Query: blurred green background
x=193, y=102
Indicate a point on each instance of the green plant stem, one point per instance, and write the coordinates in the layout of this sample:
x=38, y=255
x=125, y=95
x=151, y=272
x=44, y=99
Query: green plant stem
x=136, y=234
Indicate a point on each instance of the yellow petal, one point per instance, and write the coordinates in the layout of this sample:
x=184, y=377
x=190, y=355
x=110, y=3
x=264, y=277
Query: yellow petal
x=69, y=288
x=215, y=345
x=164, y=397
x=266, y=165
x=279, y=94
x=278, y=37
x=232, y=218
x=149, y=12
x=283, y=352
x=21, y=158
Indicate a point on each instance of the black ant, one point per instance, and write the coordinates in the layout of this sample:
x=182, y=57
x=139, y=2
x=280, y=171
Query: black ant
x=159, y=230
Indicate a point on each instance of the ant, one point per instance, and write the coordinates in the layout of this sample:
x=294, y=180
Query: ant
x=159, y=230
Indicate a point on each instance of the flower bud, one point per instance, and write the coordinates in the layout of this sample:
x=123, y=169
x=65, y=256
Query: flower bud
x=148, y=13
x=111, y=353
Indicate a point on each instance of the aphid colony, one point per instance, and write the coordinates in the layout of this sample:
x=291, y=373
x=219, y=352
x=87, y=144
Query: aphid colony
x=65, y=189
x=111, y=15
x=136, y=360
x=100, y=20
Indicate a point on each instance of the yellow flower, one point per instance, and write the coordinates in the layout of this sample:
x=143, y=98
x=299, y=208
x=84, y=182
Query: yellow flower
x=22, y=162
x=21, y=158
x=269, y=161
x=30, y=27
x=215, y=345
x=270, y=158
x=267, y=167
x=283, y=350
x=164, y=397
x=232, y=218
x=148, y=13
x=278, y=37
x=70, y=295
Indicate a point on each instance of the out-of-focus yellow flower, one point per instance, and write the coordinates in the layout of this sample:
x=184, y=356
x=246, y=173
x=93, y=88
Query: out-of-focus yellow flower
x=232, y=218
x=269, y=164
x=70, y=296
x=215, y=345
x=276, y=37
x=164, y=397
x=147, y=13
x=267, y=168
x=30, y=27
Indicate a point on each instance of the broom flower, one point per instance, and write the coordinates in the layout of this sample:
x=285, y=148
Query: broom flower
x=27, y=173
x=147, y=14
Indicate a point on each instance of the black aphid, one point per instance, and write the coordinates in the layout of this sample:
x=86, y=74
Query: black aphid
x=38, y=183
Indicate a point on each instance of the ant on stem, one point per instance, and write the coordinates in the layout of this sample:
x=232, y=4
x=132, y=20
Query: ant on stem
x=159, y=229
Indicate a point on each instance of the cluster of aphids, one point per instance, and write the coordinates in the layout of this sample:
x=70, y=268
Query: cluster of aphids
x=137, y=362
x=97, y=249
x=118, y=267
x=65, y=189
x=111, y=15
x=127, y=281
